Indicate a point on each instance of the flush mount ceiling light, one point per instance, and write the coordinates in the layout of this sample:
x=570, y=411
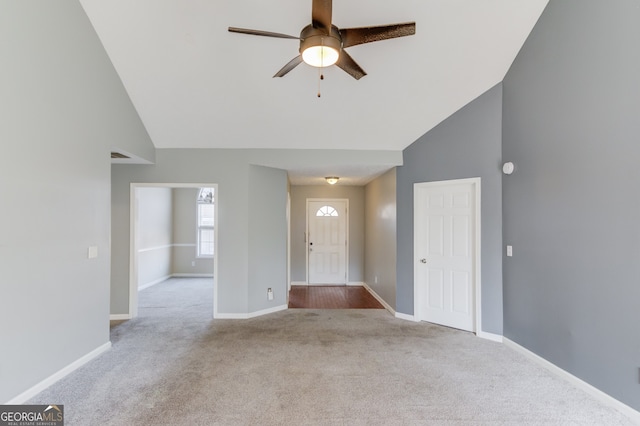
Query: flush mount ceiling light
x=322, y=44
x=332, y=180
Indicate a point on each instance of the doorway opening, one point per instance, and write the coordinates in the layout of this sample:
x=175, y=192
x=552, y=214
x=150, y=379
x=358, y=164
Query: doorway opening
x=173, y=236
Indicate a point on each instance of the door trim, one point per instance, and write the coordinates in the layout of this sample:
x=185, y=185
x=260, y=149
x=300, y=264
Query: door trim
x=133, y=250
x=477, y=293
x=346, y=231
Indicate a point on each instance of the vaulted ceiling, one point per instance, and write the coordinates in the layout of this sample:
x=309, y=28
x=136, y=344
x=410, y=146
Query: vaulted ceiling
x=195, y=85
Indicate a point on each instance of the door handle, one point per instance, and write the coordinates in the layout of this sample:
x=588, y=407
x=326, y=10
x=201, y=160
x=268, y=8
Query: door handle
x=423, y=260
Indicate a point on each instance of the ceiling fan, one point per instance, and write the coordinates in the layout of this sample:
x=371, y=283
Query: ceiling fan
x=322, y=44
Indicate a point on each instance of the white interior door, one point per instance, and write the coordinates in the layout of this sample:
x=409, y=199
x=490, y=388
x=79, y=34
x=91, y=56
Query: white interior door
x=327, y=241
x=445, y=222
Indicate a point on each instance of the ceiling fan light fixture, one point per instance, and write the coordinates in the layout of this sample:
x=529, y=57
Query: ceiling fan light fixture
x=320, y=56
x=318, y=48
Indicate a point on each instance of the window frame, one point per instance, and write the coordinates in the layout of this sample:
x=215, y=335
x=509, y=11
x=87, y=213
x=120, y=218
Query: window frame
x=200, y=228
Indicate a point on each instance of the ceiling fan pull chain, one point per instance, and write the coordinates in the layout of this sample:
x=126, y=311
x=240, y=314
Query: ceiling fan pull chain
x=321, y=64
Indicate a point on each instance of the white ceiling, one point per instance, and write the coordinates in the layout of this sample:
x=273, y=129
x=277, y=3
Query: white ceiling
x=195, y=85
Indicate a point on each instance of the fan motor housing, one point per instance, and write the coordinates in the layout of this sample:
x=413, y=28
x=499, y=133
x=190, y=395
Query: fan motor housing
x=310, y=36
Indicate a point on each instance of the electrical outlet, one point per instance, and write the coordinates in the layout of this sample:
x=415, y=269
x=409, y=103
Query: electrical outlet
x=269, y=294
x=375, y=279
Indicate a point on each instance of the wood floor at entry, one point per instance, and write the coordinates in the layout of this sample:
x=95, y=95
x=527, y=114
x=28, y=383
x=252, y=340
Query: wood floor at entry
x=331, y=297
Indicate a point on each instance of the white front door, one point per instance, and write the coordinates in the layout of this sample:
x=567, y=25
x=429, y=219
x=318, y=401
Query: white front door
x=327, y=241
x=445, y=222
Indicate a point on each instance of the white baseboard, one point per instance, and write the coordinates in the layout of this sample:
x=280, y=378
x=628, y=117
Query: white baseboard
x=480, y=334
x=230, y=316
x=268, y=311
x=179, y=275
x=119, y=317
x=489, y=336
x=187, y=275
x=33, y=391
x=252, y=314
x=154, y=282
x=579, y=383
x=298, y=283
x=406, y=317
x=355, y=284
x=379, y=299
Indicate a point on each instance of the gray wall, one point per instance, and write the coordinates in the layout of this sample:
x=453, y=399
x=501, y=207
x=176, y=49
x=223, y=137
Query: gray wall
x=299, y=195
x=571, y=209
x=267, y=237
x=154, y=234
x=230, y=169
x=380, y=236
x=185, y=235
x=466, y=145
x=61, y=107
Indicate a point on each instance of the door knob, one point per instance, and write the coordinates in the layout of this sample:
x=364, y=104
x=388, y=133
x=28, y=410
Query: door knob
x=423, y=260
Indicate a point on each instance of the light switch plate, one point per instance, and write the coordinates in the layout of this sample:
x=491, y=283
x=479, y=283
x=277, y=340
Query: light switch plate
x=92, y=253
x=509, y=251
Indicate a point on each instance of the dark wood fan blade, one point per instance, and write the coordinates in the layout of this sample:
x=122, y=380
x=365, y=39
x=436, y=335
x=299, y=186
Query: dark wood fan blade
x=321, y=15
x=346, y=63
x=291, y=65
x=355, y=36
x=260, y=33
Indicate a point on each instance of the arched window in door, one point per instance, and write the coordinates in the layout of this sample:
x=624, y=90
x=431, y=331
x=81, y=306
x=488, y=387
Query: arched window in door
x=205, y=222
x=327, y=211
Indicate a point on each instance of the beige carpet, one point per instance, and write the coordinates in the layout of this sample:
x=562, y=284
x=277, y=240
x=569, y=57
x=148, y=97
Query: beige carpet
x=175, y=366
